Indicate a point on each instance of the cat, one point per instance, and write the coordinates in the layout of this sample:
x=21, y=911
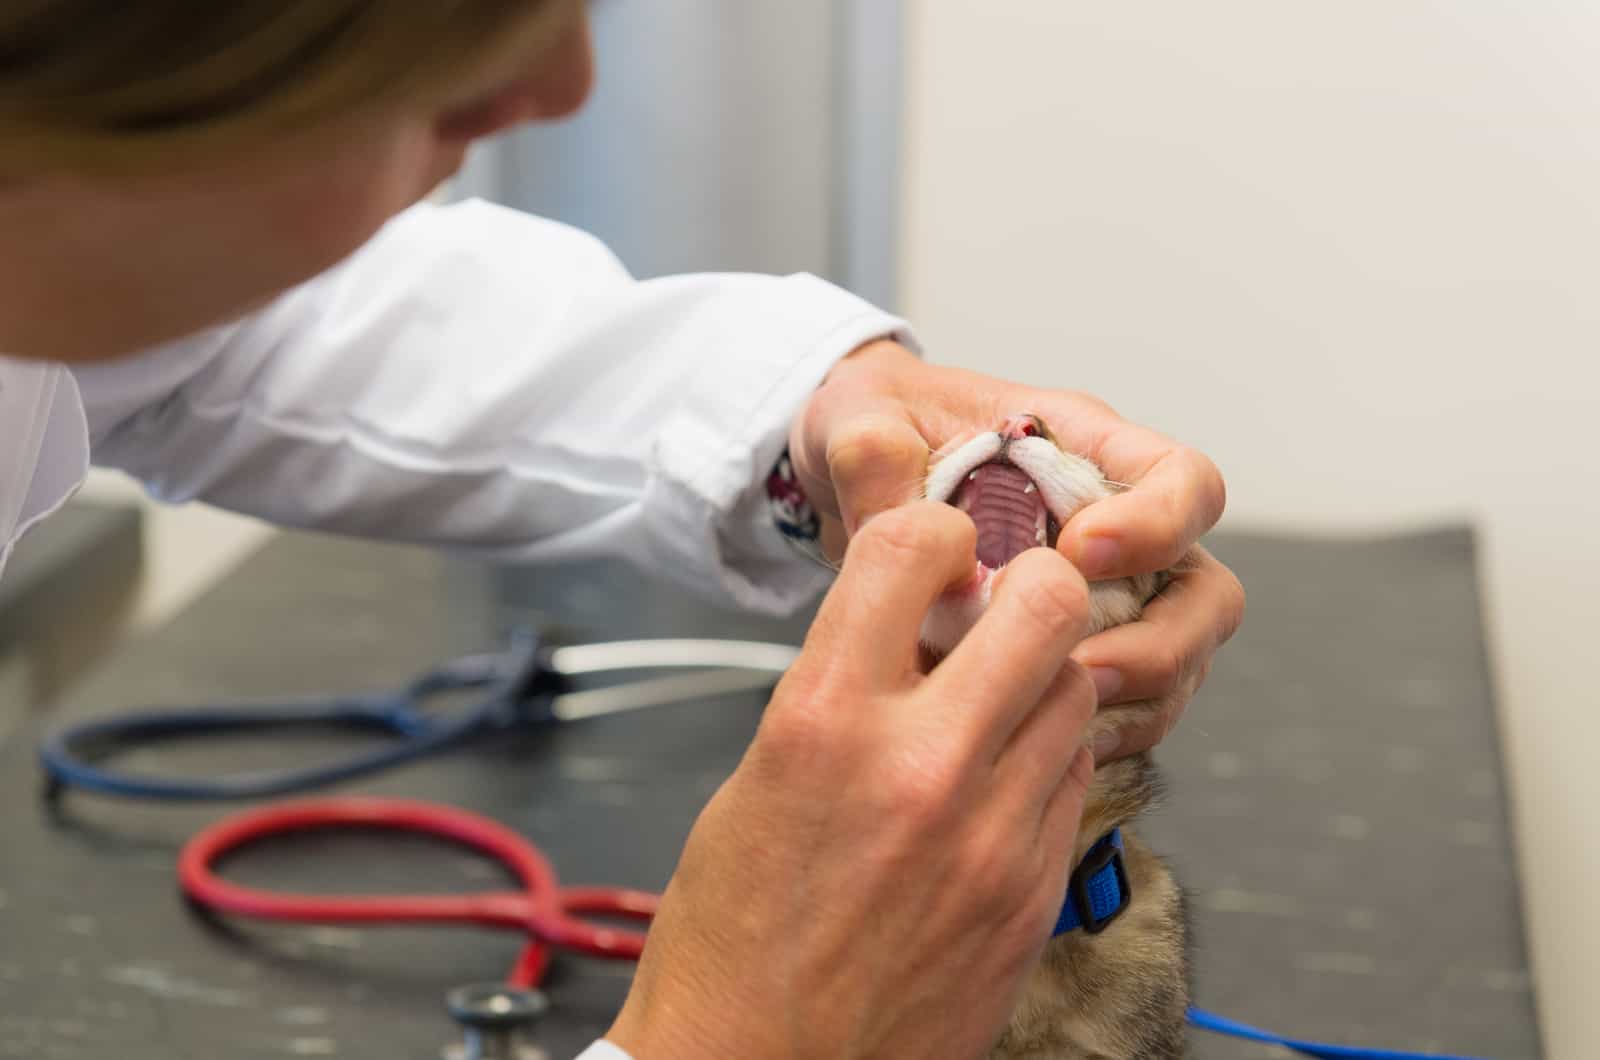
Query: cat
x=1119, y=993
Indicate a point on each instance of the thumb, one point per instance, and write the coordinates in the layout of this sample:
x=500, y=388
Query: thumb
x=876, y=460
x=855, y=447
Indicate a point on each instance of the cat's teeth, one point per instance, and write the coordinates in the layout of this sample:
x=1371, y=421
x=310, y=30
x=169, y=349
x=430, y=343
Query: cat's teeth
x=972, y=477
x=1029, y=488
x=1039, y=537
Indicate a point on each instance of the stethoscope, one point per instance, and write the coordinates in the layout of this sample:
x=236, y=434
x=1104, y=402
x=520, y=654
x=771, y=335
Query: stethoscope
x=495, y=1018
x=525, y=685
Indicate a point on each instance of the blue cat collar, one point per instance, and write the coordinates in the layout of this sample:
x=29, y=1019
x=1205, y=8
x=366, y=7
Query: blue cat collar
x=1098, y=890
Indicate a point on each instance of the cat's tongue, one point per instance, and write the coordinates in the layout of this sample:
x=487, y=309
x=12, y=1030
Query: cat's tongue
x=1007, y=510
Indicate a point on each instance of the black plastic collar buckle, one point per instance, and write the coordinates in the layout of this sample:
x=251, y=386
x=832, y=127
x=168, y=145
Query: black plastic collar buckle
x=1100, y=856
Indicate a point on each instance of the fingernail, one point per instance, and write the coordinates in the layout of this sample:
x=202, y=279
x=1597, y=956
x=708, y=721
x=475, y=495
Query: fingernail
x=1105, y=745
x=1098, y=557
x=1107, y=682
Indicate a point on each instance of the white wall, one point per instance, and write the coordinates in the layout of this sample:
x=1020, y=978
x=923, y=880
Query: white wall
x=1349, y=249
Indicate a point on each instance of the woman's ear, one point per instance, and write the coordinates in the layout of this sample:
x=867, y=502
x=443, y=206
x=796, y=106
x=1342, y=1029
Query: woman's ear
x=555, y=85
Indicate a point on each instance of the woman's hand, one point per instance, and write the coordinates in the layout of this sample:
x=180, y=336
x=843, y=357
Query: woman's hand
x=861, y=446
x=883, y=868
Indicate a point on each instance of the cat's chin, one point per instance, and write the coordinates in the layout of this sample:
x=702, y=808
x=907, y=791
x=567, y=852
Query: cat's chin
x=954, y=614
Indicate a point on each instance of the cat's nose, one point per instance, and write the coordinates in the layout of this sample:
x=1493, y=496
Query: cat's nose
x=1022, y=425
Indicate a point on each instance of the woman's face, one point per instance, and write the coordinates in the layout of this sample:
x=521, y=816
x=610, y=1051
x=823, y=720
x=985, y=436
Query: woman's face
x=91, y=269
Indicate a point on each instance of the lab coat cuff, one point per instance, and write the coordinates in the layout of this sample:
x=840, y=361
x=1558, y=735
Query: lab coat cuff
x=603, y=1050
x=711, y=460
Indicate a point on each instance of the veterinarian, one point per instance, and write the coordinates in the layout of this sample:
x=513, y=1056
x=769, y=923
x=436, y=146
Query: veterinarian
x=215, y=275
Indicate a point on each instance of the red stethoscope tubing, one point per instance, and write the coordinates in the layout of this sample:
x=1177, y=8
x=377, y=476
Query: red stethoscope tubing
x=547, y=912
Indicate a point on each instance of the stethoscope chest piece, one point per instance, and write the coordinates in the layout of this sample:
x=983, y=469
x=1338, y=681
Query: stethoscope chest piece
x=494, y=1020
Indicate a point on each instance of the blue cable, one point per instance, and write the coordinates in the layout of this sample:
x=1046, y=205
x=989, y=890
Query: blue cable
x=61, y=752
x=518, y=689
x=1209, y=1021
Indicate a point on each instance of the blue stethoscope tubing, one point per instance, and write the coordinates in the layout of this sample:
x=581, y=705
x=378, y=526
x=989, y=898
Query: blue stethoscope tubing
x=524, y=685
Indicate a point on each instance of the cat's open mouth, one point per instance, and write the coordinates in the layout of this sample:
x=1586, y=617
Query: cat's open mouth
x=1006, y=506
x=1020, y=488
x=1017, y=487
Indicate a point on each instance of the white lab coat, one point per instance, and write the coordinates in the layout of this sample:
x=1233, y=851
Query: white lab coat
x=472, y=376
x=44, y=448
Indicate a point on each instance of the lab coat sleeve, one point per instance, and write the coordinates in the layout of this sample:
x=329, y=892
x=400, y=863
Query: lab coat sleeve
x=603, y=1050
x=477, y=376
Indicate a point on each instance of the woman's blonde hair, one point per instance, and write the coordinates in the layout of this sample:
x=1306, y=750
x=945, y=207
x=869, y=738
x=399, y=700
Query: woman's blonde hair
x=109, y=86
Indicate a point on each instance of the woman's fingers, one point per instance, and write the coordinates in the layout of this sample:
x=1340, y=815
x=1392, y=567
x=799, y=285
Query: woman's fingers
x=1150, y=526
x=1137, y=727
x=876, y=461
x=856, y=448
x=997, y=674
x=1161, y=660
x=1058, y=823
x=1175, y=493
x=868, y=625
x=1041, y=750
x=1198, y=610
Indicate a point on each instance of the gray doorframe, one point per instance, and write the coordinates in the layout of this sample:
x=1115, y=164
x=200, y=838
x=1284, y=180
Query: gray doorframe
x=864, y=109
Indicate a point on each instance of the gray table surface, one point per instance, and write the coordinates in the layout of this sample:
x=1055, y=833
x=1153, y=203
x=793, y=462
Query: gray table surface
x=1336, y=813
x=60, y=567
